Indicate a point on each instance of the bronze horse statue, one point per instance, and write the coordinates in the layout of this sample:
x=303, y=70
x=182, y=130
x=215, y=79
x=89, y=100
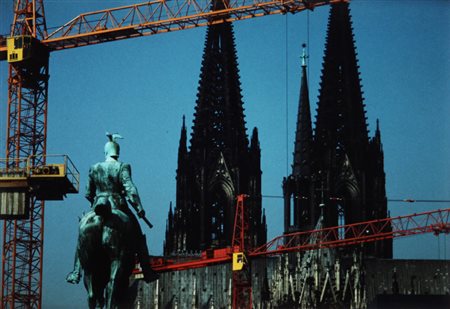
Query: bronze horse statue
x=106, y=253
x=110, y=237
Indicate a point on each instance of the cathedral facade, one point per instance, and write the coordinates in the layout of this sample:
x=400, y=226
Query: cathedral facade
x=337, y=178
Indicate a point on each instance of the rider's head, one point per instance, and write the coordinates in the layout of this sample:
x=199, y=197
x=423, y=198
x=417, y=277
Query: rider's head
x=112, y=148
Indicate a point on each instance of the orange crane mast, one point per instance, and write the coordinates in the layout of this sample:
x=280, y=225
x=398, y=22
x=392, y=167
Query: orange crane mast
x=26, y=137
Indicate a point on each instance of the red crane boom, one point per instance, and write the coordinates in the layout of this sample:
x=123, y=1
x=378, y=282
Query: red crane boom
x=436, y=222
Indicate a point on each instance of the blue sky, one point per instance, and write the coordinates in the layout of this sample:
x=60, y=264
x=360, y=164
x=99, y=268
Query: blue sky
x=141, y=88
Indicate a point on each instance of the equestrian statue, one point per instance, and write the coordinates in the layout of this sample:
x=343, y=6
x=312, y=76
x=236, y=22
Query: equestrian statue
x=110, y=236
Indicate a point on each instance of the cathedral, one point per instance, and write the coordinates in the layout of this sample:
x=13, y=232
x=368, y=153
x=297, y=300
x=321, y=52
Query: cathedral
x=337, y=178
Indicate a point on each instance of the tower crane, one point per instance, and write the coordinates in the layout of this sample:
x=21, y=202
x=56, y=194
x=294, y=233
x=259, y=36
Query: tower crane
x=436, y=222
x=27, y=49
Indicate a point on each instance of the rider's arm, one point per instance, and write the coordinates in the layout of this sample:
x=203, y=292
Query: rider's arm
x=131, y=190
x=90, y=187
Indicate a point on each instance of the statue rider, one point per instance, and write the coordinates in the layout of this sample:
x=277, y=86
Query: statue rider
x=110, y=185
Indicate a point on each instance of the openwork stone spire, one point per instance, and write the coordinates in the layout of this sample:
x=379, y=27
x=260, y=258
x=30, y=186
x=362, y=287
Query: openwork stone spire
x=219, y=114
x=221, y=162
x=303, y=135
x=341, y=120
x=338, y=160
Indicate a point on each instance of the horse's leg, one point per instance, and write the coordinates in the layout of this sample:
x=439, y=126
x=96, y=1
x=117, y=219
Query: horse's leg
x=99, y=291
x=75, y=275
x=118, y=284
x=95, y=286
x=89, y=284
x=111, y=288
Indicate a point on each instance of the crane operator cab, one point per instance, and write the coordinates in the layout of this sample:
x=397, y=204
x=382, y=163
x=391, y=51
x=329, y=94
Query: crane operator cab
x=239, y=260
x=19, y=48
x=24, y=47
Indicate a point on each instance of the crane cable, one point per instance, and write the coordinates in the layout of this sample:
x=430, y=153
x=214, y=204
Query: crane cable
x=307, y=43
x=407, y=200
x=286, y=91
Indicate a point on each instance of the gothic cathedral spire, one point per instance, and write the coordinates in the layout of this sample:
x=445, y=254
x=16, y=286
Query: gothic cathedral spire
x=341, y=121
x=221, y=161
x=297, y=206
x=303, y=135
x=339, y=165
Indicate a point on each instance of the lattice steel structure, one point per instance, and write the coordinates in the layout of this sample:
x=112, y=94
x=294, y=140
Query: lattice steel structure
x=26, y=136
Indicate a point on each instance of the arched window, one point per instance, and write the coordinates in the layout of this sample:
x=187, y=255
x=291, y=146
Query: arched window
x=341, y=220
x=347, y=206
x=220, y=210
x=293, y=205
